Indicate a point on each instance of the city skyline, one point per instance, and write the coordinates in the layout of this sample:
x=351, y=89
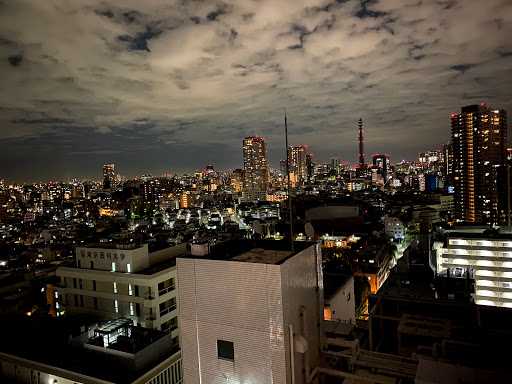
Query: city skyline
x=99, y=175
x=94, y=82
x=255, y=191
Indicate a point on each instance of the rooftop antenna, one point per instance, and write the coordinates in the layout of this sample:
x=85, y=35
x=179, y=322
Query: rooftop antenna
x=361, y=143
x=288, y=189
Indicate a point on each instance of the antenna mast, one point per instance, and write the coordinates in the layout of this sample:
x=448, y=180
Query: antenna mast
x=288, y=189
x=361, y=144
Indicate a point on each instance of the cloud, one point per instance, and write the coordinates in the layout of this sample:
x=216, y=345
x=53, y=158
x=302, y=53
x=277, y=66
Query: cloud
x=15, y=60
x=207, y=73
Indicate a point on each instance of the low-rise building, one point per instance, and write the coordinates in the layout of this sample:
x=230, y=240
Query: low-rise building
x=394, y=228
x=339, y=298
x=109, y=352
x=113, y=280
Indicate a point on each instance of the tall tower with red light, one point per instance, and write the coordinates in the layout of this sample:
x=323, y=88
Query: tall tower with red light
x=362, y=163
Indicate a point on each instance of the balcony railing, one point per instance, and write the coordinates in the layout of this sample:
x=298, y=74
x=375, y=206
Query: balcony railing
x=170, y=328
x=165, y=311
x=163, y=291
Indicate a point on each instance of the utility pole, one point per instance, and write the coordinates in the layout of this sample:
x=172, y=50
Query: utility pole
x=290, y=214
x=508, y=195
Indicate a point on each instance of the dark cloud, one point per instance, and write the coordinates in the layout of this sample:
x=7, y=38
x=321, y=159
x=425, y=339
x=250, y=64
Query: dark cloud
x=42, y=121
x=213, y=15
x=366, y=11
x=15, y=60
x=107, y=13
x=505, y=53
x=462, y=68
x=140, y=41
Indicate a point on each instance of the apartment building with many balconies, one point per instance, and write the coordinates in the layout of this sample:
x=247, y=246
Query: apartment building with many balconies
x=122, y=280
x=487, y=255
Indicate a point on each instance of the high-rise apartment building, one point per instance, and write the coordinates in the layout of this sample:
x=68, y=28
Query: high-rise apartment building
x=448, y=164
x=150, y=191
x=109, y=176
x=298, y=160
x=479, y=135
x=381, y=162
x=255, y=168
x=122, y=280
x=185, y=200
x=250, y=312
x=236, y=180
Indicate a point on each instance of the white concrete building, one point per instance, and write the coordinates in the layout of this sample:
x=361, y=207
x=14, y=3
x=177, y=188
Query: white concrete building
x=339, y=298
x=487, y=256
x=250, y=313
x=394, y=227
x=123, y=281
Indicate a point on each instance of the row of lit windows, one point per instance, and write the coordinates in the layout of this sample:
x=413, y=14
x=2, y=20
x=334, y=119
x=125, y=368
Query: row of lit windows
x=131, y=307
x=481, y=243
x=476, y=252
x=480, y=263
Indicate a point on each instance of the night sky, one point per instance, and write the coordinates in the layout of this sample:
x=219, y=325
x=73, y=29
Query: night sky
x=162, y=85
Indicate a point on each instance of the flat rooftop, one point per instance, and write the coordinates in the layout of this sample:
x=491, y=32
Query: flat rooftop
x=253, y=251
x=45, y=340
x=423, y=326
x=112, y=245
x=120, y=334
x=158, y=267
x=480, y=233
x=264, y=256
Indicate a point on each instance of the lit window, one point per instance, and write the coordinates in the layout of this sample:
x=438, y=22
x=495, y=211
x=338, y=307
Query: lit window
x=113, y=266
x=130, y=290
x=129, y=268
x=132, y=311
x=225, y=350
x=116, y=306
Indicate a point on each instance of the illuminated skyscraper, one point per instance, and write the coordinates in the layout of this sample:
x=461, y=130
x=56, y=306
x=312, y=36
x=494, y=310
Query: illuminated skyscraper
x=381, y=162
x=298, y=159
x=255, y=167
x=109, y=175
x=236, y=180
x=448, y=164
x=185, y=200
x=479, y=136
